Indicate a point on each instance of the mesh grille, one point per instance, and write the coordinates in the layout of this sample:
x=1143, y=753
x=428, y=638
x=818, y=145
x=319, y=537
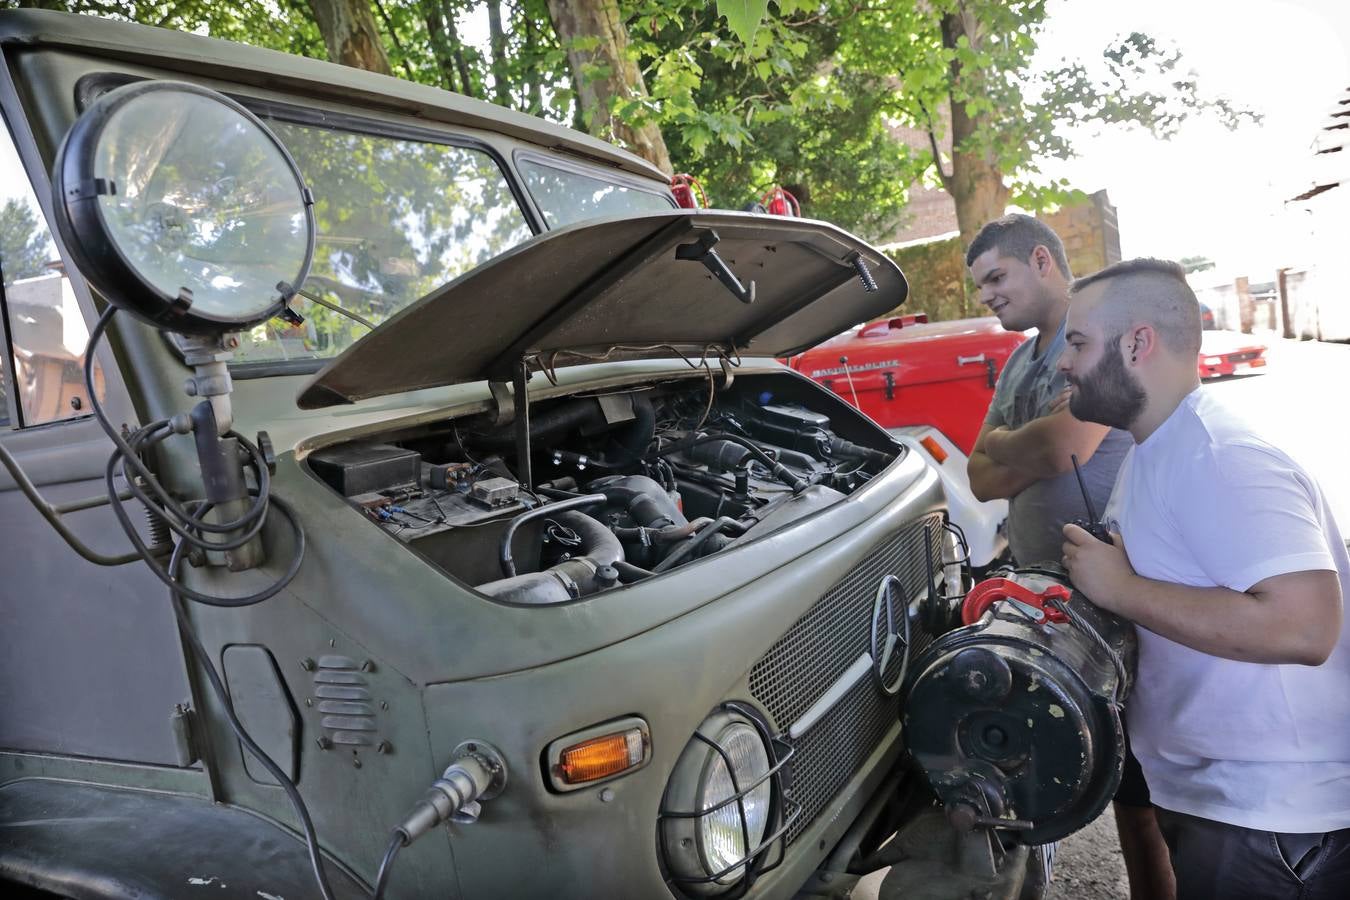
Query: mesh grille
x=836, y=747
x=819, y=648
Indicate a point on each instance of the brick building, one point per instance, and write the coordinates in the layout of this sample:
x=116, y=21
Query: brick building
x=1089, y=230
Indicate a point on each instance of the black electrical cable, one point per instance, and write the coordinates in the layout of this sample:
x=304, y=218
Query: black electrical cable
x=189, y=524
x=397, y=841
x=169, y=508
x=223, y=698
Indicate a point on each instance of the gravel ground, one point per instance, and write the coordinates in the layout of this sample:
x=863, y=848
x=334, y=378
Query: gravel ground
x=1089, y=865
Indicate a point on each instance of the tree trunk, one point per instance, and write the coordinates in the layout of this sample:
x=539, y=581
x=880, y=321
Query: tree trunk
x=500, y=93
x=976, y=182
x=533, y=90
x=440, y=46
x=465, y=79
x=605, y=74
x=349, y=33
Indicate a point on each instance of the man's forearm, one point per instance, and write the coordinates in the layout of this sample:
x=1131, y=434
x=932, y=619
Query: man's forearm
x=1039, y=447
x=1227, y=623
x=990, y=480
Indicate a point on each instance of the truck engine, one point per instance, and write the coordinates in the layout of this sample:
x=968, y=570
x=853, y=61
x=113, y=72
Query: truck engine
x=628, y=485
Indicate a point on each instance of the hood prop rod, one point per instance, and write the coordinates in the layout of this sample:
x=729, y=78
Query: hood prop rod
x=525, y=469
x=702, y=251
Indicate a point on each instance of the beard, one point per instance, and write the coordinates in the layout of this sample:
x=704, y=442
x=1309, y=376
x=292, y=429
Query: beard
x=1109, y=394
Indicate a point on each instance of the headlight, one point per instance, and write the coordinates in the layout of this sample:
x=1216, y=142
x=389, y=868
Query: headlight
x=720, y=805
x=1213, y=361
x=721, y=834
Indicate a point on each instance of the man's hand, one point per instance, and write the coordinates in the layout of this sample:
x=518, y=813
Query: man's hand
x=1101, y=571
x=1293, y=618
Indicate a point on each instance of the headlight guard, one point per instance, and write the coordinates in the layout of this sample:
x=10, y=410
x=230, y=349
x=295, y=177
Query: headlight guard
x=687, y=828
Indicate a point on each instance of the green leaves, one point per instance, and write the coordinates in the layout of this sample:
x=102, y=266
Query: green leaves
x=743, y=17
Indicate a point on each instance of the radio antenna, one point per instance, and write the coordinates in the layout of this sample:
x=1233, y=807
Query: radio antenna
x=1082, y=486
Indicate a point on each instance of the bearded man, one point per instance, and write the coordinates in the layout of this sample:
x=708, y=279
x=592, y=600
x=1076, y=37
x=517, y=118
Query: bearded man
x=1025, y=453
x=1227, y=559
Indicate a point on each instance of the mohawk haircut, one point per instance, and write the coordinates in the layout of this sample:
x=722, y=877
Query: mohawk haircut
x=1150, y=290
x=1017, y=235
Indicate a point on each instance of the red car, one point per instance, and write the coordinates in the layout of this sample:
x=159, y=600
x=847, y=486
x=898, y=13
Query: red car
x=909, y=371
x=1230, y=353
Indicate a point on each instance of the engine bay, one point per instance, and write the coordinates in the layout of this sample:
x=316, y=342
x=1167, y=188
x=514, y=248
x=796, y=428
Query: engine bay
x=629, y=483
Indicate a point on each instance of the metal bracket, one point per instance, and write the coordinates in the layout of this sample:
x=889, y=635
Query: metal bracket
x=503, y=404
x=522, y=408
x=702, y=251
x=990, y=367
x=180, y=724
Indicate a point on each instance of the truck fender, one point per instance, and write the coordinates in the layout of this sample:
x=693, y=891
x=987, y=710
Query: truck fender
x=87, y=841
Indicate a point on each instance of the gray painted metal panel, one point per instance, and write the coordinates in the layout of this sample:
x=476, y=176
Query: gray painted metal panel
x=671, y=676
x=264, y=707
x=90, y=661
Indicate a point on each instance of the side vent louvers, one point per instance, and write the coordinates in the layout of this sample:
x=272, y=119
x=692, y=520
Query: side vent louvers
x=342, y=697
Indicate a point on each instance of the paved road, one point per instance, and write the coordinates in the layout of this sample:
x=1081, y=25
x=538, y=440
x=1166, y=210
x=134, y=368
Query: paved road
x=1300, y=404
x=1297, y=402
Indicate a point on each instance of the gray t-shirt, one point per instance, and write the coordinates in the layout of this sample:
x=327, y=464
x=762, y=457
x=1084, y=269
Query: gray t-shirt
x=1026, y=389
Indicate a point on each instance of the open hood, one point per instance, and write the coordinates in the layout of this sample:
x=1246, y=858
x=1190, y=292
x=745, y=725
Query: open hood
x=638, y=287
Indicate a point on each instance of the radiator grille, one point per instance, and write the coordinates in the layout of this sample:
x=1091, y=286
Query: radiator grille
x=819, y=648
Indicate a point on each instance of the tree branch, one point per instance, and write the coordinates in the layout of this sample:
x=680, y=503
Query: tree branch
x=393, y=36
x=937, y=152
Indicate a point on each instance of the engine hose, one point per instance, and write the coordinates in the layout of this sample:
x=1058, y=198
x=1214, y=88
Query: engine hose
x=562, y=418
x=687, y=549
x=548, y=509
x=845, y=448
x=592, y=570
x=629, y=573
x=661, y=535
x=644, y=499
x=638, y=436
x=777, y=469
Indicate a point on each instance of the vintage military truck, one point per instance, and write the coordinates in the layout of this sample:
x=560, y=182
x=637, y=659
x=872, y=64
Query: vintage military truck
x=428, y=516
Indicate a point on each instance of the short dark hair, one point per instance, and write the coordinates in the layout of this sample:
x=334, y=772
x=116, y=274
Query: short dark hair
x=1161, y=296
x=1017, y=235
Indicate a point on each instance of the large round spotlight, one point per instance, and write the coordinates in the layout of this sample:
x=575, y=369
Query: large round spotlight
x=183, y=208
x=719, y=806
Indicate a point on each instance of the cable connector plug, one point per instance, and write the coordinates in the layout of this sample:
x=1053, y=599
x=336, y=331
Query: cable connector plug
x=477, y=773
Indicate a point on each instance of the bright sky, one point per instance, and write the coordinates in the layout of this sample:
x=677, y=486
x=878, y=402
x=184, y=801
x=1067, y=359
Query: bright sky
x=1209, y=191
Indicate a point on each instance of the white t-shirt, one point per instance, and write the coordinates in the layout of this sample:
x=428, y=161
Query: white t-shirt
x=1206, y=502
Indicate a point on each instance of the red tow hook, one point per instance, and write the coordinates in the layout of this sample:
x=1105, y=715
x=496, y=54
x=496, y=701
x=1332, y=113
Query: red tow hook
x=992, y=590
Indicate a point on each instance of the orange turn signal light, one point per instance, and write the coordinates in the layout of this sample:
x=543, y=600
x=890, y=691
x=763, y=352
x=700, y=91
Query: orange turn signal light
x=601, y=757
x=598, y=753
x=934, y=448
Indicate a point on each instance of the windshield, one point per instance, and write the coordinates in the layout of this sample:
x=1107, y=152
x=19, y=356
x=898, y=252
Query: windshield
x=396, y=218
x=565, y=196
